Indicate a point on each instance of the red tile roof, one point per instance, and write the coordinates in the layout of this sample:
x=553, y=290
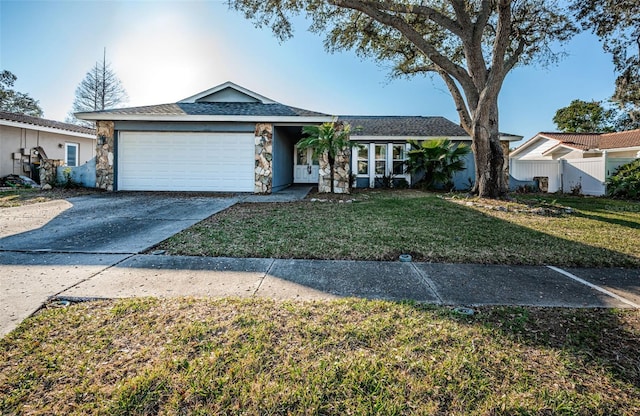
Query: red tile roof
x=629, y=138
x=603, y=141
x=581, y=141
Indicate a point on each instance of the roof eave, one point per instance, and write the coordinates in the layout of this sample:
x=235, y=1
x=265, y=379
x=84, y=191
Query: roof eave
x=220, y=118
x=510, y=138
x=622, y=149
x=371, y=137
x=17, y=124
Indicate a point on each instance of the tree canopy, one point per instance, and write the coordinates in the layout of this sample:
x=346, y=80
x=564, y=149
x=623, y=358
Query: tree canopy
x=14, y=101
x=617, y=23
x=471, y=45
x=585, y=117
x=100, y=89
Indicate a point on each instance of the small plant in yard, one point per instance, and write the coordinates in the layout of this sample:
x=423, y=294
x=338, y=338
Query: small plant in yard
x=625, y=181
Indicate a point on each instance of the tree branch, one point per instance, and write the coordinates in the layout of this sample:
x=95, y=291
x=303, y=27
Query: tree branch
x=369, y=8
x=435, y=16
x=458, y=99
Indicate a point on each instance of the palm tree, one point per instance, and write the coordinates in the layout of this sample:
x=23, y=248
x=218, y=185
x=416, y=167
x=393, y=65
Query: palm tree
x=437, y=159
x=331, y=138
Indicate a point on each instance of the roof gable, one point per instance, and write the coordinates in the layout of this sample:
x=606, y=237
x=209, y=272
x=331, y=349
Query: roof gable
x=227, y=93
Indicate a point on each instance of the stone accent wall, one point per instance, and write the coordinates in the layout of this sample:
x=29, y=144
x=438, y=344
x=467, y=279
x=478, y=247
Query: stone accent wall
x=341, y=178
x=49, y=171
x=104, y=155
x=264, y=156
x=505, y=152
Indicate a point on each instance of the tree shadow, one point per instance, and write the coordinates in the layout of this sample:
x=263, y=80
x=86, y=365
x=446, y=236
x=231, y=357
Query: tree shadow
x=601, y=338
x=615, y=221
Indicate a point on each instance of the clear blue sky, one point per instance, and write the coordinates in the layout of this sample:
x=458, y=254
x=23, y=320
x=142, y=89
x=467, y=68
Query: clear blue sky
x=164, y=51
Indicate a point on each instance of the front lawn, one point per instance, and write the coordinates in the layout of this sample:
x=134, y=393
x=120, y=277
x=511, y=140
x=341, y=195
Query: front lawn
x=380, y=225
x=258, y=357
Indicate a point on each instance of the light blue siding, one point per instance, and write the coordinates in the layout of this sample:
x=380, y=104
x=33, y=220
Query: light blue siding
x=282, y=163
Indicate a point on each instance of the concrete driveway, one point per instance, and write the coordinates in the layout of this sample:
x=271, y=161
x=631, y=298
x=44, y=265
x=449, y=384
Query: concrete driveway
x=105, y=223
x=49, y=247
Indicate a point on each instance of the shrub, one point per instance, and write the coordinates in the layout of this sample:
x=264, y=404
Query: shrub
x=625, y=181
x=437, y=161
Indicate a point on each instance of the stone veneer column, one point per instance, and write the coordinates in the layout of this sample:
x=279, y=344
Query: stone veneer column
x=104, y=155
x=505, y=153
x=341, y=174
x=264, y=156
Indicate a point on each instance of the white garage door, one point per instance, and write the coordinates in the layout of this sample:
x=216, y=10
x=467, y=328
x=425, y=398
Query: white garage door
x=178, y=161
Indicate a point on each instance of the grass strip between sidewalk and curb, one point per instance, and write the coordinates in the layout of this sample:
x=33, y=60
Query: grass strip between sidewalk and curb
x=255, y=356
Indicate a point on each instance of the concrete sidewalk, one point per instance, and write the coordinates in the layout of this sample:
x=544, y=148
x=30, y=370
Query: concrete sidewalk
x=118, y=276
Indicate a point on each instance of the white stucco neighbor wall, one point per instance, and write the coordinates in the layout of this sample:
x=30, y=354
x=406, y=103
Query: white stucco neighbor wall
x=535, y=150
x=14, y=139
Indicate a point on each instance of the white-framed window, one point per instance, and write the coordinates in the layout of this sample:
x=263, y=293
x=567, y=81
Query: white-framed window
x=363, y=160
x=399, y=157
x=380, y=152
x=71, y=154
x=375, y=160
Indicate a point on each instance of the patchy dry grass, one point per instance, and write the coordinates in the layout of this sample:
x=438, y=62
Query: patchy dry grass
x=19, y=197
x=187, y=356
x=381, y=225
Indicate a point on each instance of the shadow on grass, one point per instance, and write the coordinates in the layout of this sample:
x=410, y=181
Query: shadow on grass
x=615, y=221
x=598, y=338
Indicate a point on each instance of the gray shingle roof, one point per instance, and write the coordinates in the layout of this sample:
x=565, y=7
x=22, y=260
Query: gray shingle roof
x=418, y=126
x=215, y=109
x=43, y=122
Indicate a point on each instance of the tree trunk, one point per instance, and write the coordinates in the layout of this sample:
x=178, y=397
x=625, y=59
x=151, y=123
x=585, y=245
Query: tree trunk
x=489, y=158
x=332, y=162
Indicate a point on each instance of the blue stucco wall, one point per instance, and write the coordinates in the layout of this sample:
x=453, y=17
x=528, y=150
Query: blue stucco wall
x=84, y=175
x=282, y=162
x=464, y=179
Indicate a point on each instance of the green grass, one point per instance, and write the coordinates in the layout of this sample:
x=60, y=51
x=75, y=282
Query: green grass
x=381, y=225
x=187, y=356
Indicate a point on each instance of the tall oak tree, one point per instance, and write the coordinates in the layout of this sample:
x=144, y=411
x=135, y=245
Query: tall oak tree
x=471, y=45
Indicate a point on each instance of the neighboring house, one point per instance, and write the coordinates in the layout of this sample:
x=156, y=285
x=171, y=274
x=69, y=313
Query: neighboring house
x=574, y=162
x=231, y=139
x=20, y=135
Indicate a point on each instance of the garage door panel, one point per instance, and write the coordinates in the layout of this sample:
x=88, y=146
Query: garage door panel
x=185, y=161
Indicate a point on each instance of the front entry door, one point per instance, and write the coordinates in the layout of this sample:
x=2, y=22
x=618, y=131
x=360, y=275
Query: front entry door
x=306, y=167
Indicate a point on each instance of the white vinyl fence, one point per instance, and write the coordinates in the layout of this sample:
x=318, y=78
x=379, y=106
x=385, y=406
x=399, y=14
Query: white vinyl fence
x=586, y=176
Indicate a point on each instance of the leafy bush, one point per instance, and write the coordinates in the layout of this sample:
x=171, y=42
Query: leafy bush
x=437, y=160
x=625, y=181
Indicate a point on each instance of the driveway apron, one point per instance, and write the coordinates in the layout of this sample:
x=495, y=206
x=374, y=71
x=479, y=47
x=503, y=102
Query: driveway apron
x=48, y=248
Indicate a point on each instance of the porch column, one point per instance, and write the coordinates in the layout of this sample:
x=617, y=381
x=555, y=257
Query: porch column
x=505, y=152
x=104, y=155
x=342, y=173
x=263, y=157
